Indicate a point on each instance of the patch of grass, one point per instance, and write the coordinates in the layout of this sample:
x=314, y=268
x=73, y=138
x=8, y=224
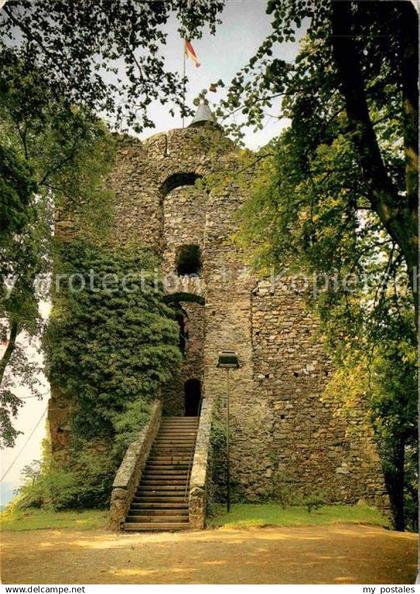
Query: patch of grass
x=35, y=519
x=249, y=515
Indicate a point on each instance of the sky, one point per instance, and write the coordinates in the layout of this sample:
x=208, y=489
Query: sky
x=244, y=27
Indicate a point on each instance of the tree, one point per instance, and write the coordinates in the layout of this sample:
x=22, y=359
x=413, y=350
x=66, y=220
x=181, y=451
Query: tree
x=356, y=60
x=337, y=195
x=63, y=63
x=50, y=154
x=309, y=214
x=102, y=55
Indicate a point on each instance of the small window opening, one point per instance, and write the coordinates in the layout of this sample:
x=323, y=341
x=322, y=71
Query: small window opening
x=189, y=260
x=183, y=332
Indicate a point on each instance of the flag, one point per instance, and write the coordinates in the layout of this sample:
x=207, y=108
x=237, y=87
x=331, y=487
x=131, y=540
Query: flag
x=190, y=53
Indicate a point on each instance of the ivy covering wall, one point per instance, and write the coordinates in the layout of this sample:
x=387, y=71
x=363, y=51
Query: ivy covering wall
x=111, y=343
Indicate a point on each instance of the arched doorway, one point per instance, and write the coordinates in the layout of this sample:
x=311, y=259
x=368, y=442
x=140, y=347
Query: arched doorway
x=192, y=392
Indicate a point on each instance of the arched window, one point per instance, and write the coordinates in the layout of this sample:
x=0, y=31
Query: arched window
x=177, y=180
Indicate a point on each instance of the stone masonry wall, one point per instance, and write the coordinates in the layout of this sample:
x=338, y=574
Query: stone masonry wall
x=313, y=447
x=283, y=432
x=192, y=366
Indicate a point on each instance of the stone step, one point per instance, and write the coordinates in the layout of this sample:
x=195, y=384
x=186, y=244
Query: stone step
x=182, y=441
x=182, y=479
x=176, y=440
x=182, y=466
x=178, y=425
x=159, y=480
x=172, y=449
x=162, y=488
x=167, y=436
x=170, y=470
x=157, y=511
x=159, y=494
x=187, y=431
x=152, y=472
x=160, y=505
x=142, y=527
x=154, y=488
x=142, y=497
x=178, y=418
x=178, y=430
x=157, y=519
x=186, y=448
x=169, y=460
x=163, y=468
x=161, y=475
x=163, y=499
x=169, y=486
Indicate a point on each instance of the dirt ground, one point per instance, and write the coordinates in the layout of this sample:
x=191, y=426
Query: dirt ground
x=326, y=554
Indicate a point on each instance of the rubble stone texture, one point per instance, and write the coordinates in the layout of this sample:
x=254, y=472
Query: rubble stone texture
x=284, y=434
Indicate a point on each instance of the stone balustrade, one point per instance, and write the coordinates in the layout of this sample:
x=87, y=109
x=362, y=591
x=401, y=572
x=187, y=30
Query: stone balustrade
x=199, y=474
x=131, y=468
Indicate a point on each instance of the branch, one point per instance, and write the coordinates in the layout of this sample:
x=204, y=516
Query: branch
x=399, y=220
x=257, y=160
x=14, y=331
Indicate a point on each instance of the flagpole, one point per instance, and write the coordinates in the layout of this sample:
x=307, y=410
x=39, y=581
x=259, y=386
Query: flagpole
x=184, y=83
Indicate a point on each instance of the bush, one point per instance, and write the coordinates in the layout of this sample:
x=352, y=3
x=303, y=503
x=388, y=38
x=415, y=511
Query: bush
x=55, y=490
x=86, y=482
x=127, y=425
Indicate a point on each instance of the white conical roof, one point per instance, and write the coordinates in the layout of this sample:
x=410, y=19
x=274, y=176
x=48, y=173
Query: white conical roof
x=203, y=115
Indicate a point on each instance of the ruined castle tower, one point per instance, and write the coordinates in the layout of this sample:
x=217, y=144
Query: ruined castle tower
x=282, y=428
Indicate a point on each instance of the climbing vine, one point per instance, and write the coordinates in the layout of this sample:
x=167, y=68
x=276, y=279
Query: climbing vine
x=111, y=343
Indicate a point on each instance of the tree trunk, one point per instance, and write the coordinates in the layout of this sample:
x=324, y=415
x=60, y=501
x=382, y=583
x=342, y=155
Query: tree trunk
x=394, y=480
x=14, y=331
x=397, y=214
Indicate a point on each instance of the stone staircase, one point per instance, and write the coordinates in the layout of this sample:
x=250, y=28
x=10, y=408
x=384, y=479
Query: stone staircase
x=161, y=500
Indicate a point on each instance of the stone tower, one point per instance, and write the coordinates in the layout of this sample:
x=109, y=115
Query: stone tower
x=282, y=429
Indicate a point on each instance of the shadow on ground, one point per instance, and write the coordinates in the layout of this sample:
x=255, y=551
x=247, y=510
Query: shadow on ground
x=317, y=555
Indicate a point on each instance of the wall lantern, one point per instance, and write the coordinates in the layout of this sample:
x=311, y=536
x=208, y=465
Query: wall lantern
x=228, y=360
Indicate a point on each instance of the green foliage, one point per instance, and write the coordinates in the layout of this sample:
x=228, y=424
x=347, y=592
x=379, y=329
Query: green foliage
x=17, y=187
x=217, y=464
x=85, y=481
x=110, y=344
x=54, y=490
x=74, y=48
x=385, y=380
x=49, y=153
x=127, y=425
x=309, y=216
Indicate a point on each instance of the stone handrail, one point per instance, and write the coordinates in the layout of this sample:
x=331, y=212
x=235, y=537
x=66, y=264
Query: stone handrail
x=129, y=473
x=198, y=480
